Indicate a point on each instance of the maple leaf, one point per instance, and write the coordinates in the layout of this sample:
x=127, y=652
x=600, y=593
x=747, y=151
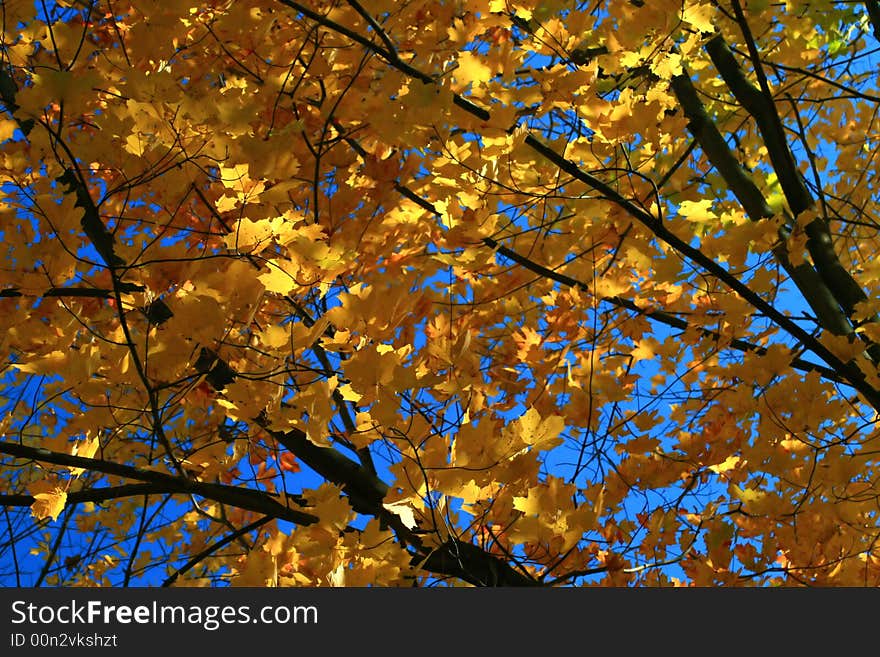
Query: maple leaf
x=472, y=69
x=540, y=432
x=85, y=448
x=49, y=499
x=700, y=16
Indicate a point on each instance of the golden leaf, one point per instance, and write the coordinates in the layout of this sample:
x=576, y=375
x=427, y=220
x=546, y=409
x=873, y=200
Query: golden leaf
x=85, y=448
x=49, y=505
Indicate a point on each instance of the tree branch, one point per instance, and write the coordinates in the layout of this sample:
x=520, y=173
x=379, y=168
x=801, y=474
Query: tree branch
x=91, y=222
x=759, y=104
x=366, y=491
x=656, y=315
x=873, y=7
x=211, y=549
x=74, y=292
x=243, y=498
x=849, y=371
x=810, y=284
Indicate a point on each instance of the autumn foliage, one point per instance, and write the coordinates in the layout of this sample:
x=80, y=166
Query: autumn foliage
x=440, y=292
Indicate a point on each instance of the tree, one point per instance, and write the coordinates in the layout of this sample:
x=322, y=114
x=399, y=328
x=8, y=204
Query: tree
x=487, y=292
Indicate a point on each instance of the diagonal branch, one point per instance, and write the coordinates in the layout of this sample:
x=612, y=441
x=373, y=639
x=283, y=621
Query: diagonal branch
x=655, y=315
x=453, y=558
x=717, y=150
x=759, y=104
x=71, y=179
x=366, y=491
x=75, y=292
x=390, y=57
x=850, y=371
x=810, y=284
x=389, y=46
x=211, y=549
x=98, y=495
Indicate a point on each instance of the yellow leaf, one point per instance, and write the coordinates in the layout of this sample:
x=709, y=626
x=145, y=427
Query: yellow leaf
x=7, y=127
x=197, y=316
x=277, y=279
x=747, y=495
x=725, y=466
x=599, y=504
x=796, y=246
x=668, y=66
x=136, y=144
x=403, y=511
x=249, y=236
x=866, y=309
x=85, y=448
x=64, y=217
x=697, y=211
x=533, y=504
x=226, y=203
x=645, y=349
x=630, y=59
x=49, y=505
x=640, y=445
x=316, y=331
x=331, y=506
x=337, y=576
x=234, y=177
x=472, y=69
x=700, y=17
x=275, y=336
x=540, y=433
x=369, y=370
x=49, y=364
x=348, y=393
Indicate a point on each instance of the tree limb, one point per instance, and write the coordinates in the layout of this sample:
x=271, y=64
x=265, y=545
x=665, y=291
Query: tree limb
x=873, y=7
x=850, y=371
x=759, y=104
x=366, y=491
x=244, y=498
x=810, y=284
x=91, y=223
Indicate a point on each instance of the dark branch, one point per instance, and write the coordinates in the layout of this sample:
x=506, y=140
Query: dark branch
x=873, y=7
x=752, y=200
x=76, y=292
x=760, y=105
x=211, y=549
x=91, y=223
x=244, y=498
